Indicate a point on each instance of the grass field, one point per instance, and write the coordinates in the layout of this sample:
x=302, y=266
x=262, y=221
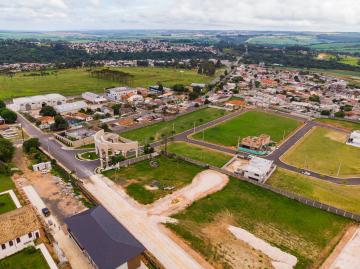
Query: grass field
x=135, y=177
x=252, y=123
x=303, y=231
x=6, y=203
x=29, y=258
x=324, y=151
x=76, y=81
x=341, y=196
x=182, y=123
x=89, y=155
x=6, y=183
x=341, y=123
x=199, y=153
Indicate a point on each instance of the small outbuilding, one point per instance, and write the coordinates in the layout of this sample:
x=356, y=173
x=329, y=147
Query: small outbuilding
x=106, y=242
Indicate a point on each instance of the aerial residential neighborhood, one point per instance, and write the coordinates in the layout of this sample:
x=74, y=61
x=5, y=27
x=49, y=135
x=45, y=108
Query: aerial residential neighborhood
x=155, y=145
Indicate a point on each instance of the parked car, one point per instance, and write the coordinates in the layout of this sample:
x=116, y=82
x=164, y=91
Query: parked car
x=46, y=211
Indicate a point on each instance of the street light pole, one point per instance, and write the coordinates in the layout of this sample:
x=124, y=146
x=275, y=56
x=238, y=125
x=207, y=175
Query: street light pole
x=194, y=126
x=338, y=172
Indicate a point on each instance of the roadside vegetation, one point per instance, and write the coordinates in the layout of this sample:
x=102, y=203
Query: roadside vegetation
x=76, y=81
x=169, y=175
x=182, y=123
x=198, y=153
x=29, y=258
x=340, y=196
x=309, y=234
x=252, y=123
x=324, y=151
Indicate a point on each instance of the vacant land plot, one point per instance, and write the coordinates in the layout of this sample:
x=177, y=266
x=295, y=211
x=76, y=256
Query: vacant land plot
x=170, y=175
x=6, y=183
x=341, y=123
x=6, y=203
x=76, y=81
x=305, y=232
x=29, y=258
x=341, y=196
x=252, y=123
x=154, y=132
x=324, y=151
x=201, y=154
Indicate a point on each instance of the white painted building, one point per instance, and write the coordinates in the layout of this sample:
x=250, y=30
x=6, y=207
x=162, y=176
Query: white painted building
x=93, y=98
x=19, y=229
x=70, y=107
x=118, y=92
x=258, y=169
x=37, y=102
x=354, y=139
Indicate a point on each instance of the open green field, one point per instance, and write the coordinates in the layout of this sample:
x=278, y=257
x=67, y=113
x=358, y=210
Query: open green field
x=6, y=203
x=252, y=123
x=180, y=124
x=340, y=123
x=6, y=183
x=29, y=258
x=353, y=47
x=135, y=177
x=76, y=81
x=201, y=154
x=324, y=151
x=303, y=231
x=341, y=196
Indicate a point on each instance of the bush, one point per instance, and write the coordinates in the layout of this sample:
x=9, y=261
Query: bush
x=7, y=150
x=2, y=104
x=325, y=112
x=32, y=143
x=59, y=124
x=8, y=115
x=340, y=114
x=48, y=111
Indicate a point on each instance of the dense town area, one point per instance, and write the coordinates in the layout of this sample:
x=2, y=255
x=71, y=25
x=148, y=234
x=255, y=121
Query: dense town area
x=216, y=162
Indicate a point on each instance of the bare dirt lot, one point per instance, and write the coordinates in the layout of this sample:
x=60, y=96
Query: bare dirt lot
x=55, y=193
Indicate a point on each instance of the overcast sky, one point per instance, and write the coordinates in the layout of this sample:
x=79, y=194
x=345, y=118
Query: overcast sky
x=310, y=15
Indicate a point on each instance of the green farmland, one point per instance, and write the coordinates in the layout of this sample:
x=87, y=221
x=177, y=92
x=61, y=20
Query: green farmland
x=182, y=123
x=253, y=123
x=76, y=81
x=201, y=154
x=324, y=151
x=136, y=177
x=340, y=196
x=307, y=233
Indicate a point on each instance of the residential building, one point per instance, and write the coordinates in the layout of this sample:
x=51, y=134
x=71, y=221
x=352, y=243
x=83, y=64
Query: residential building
x=70, y=107
x=18, y=229
x=107, y=243
x=93, y=98
x=118, y=93
x=255, y=142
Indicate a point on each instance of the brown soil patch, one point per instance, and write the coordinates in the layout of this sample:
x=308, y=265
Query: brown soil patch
x=337, y=136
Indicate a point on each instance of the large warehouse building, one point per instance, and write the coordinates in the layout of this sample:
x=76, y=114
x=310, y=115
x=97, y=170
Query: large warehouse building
x=37, y=102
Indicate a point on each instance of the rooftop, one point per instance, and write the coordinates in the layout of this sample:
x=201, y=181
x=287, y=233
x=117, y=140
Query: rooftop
x=108, y=243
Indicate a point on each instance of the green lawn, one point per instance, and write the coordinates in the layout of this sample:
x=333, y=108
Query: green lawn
x=324, y=151
x=6, y=203
x=182, y=123
x=29, y=258
x=252, y=123
x=90, y=146
x=6, y=183
x=199, y=153
x=340, y=123
x=301, y=230
x=76, y=81
x=341, y=196
x=137, y=176
x=89, y=155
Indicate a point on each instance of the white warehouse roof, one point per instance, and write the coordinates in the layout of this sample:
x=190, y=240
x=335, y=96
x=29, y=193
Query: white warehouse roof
x=68, y=107
x=38, y=98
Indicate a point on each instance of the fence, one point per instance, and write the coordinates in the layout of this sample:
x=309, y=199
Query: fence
x=290, y=195
x=132, y=161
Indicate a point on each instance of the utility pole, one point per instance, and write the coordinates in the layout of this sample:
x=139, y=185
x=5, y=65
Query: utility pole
x=203, y=136
x=194, y=126
x=22, y=133
x=338, y=172
x=283, y=135
x=238, y=143
x=174, y=127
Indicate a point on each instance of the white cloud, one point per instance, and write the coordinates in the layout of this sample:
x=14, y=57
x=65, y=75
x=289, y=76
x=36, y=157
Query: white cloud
x=315, y=15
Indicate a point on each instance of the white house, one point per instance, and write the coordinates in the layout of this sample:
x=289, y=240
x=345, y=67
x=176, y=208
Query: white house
x=118, y=92
x=136, y=98
x=258, y=169
x=354, y=139
x=70, y=107
x=19, y=229
x=37, y=102
x=93, y=98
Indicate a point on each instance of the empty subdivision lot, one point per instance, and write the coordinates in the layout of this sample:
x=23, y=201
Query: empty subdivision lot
x=340, y=123
x=182, y=123
x=324, y=151
x=201, y=154
x=137, y=178
x=252, y=123
x=305, y=232
x=340, y=196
